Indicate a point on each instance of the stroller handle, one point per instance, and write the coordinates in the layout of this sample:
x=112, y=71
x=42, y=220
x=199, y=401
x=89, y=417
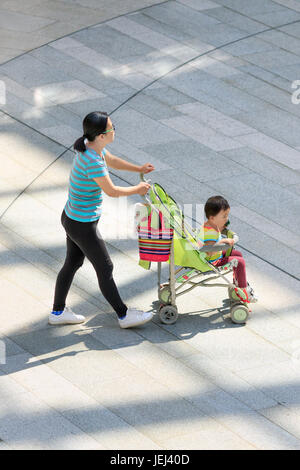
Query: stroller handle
x=146, y=197
x=143, y=179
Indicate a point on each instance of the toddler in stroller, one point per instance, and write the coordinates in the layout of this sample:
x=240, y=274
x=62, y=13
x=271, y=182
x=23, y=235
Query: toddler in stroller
x=197, y=258
x=217, y=212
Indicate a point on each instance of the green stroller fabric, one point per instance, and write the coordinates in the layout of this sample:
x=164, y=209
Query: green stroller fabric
x=185, y=243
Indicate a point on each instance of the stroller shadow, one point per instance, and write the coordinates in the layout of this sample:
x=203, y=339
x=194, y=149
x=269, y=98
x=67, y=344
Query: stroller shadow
x=191, y=323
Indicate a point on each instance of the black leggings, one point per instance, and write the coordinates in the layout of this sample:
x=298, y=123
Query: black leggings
x=84, y=240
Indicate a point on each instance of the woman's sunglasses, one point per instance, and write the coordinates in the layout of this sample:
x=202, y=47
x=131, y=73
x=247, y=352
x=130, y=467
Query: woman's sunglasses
x=109, y=130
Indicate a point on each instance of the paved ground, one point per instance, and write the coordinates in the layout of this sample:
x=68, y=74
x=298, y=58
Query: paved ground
x=203, y=89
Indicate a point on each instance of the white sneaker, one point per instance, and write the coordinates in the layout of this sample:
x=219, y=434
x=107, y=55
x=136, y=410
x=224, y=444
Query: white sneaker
x=251, y=294
x=134, y=318
x=67, y=317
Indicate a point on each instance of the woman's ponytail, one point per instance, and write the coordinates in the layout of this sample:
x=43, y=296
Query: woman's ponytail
x=94, y=123
x=79, y=145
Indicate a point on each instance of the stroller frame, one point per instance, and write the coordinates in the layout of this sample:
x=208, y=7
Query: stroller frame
x=168, y=292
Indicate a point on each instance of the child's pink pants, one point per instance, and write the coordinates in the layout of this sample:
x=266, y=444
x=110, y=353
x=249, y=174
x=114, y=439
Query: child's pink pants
x=239, y=273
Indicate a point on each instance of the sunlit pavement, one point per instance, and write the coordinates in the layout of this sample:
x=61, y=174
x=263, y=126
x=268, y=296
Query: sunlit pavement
x=207, y=92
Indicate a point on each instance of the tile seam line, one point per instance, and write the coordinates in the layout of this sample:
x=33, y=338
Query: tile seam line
x=227, y=7
x=84, y=28
x=133, y=96
x=126, y=101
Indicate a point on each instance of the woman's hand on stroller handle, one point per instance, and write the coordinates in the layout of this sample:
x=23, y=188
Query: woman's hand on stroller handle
x=146, y=168
x=143, y=188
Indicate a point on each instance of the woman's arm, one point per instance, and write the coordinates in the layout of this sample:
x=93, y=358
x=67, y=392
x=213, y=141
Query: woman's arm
x=106, y=184
x=118, y=163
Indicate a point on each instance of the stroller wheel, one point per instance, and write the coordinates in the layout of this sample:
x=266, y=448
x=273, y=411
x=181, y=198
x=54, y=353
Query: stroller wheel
x=165, y=295
x=168, y=314
x=239, y=313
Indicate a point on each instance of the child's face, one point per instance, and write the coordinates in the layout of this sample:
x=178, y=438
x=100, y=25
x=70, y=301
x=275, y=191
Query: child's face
x=220, y=219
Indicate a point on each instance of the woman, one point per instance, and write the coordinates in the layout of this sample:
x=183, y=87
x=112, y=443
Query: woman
x=88, y=179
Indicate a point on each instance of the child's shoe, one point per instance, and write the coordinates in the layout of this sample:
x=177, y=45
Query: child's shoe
x=67, y=317
x=251, y=295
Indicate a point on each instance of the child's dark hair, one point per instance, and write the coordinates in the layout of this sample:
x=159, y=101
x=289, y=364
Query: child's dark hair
x=214, y=205
x=93, y=124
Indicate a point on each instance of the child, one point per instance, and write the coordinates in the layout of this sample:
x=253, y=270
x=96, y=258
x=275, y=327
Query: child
x=217, y=211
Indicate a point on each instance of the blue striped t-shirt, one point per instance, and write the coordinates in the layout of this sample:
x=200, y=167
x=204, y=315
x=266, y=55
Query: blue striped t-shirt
x=85, y=196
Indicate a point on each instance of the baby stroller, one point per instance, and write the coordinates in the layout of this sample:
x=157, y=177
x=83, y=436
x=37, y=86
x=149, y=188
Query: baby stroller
x=188, y=254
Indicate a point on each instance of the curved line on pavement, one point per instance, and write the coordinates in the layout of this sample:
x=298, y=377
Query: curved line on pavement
x=130, y=98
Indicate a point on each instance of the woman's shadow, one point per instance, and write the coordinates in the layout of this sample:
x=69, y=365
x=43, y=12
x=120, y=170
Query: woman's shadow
x=101, y=332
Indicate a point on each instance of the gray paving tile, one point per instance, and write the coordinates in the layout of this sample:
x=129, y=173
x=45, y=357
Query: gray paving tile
x=276, y=124
x=218, y=437
x=38, y=426
x=272, y=59
x=273, y=148
x=285, y=416
x=218, y=34
x=30, y=72
x=214, y=67
x=65, y=135
x=255, y=7
x=18, y=21
x=290, y=72
x=277, y=18
x=155, y=40
x=256, y=198
x=295, y=188
x=105, y=38
x=10, y=347
x=189, y=155
x=214, y=119
x=280, y=382
x=152, y=108
x=79, y=66
x=264, y=246
x=292, y=30
x=249, y=45
x=252, y=71
x=264, y=166
x=139, y=156
x=156, y=25
x=281, y=40
x=142, y=130
x=203, y=5
x=181, y=17
x=229, y=382
x=169, y=95
x=110, y=430
x=201, y=133
x=231, y=17
x=83, y=108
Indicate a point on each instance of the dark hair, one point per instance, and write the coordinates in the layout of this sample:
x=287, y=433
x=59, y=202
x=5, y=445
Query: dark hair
x=93, y=124
x=214, y=205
